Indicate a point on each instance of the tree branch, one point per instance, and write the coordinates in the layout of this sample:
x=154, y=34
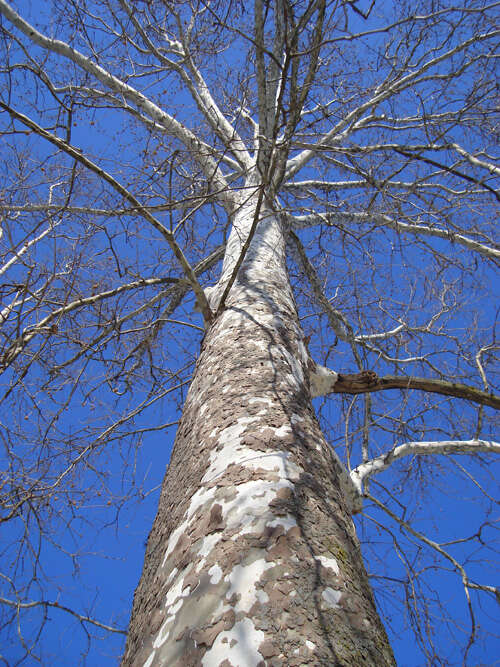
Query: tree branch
x=325, y=381
x=141, y=210
x=382, y=462
x=202, y=152
x=417, y=229
x=55, y=605
x=353, y=120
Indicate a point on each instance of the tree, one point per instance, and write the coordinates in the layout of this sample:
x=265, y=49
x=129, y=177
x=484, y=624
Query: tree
x=317, y=180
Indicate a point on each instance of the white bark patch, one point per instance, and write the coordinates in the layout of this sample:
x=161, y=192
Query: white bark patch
x=173, y=539
x=247, y=511
x=173, y=602
x=296, y=419
x=331, y=597
x=262, y=596
x=176, y=592
x=201, y=497
x=163, y=633
x=234, y=453
x=231, y=451
x=250, y=508
x=282, y=430
x=215, y=574
x=262, y=399
x=150, y=659
x=239, y=646
x=207, y=544
x=330, y=563
x=242, y=582
x=310, y=645
x=287, y=522
x=295, y=365
x=264, y=346
x=303, y=353
x=322, y=380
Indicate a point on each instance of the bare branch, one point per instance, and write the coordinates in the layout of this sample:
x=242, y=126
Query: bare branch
x=144, y=212
x=416, y=229
x=200, y=151
x=326, y=381
x=56, y=605
x=381, y=463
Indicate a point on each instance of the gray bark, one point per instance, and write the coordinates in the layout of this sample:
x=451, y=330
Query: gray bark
x=253, y=557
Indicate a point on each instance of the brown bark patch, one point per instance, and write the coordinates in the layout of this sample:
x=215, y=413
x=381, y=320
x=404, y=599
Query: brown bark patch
x=267, y=649
x=180, y=556
x=281, y=550
x=207, y=635
x=215, y=521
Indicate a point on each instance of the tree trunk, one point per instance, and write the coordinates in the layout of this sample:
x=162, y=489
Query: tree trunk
x=253, y=557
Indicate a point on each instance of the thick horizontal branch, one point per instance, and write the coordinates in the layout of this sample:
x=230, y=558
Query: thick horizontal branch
x=380, y=463
x=416, y=186
x=325, y=381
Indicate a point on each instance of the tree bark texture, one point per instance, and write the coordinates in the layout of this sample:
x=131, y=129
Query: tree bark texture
x=253, y=557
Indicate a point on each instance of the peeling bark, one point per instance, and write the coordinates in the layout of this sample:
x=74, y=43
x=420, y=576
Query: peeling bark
x=253, y=557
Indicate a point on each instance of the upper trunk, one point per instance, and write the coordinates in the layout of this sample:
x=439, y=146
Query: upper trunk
x=253, y=558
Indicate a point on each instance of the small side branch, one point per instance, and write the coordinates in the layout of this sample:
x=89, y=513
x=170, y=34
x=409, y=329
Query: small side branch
x=336, y=320
x=83, y=618
x=467, y=583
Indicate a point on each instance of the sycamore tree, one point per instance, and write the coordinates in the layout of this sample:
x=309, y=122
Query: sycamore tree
x=287, y=206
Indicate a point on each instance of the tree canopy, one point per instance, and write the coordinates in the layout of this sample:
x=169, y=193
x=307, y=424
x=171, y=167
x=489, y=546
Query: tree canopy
x=131, y=133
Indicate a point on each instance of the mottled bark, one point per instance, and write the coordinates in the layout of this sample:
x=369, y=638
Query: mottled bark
x=253, y=558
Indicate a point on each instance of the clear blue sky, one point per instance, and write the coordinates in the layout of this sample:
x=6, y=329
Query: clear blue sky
x=108, y=544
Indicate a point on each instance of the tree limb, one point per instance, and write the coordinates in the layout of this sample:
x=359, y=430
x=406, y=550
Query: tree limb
x=415, y=228
x=382, y=462
x=325, y=381
x=55, y=605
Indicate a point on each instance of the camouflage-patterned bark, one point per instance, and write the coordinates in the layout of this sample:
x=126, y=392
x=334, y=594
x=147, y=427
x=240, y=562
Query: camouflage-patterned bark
x=253, y=558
